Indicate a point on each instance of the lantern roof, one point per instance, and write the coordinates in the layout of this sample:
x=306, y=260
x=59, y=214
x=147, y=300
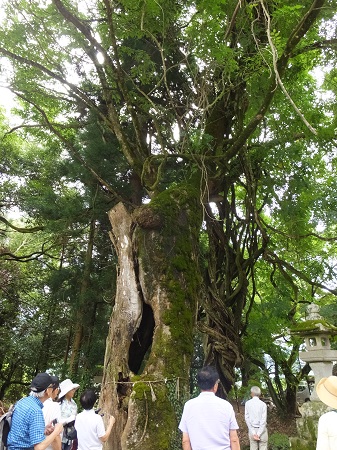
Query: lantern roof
x=315, y=324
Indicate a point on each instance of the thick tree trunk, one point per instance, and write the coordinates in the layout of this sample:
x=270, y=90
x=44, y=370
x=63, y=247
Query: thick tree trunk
x=150, y=340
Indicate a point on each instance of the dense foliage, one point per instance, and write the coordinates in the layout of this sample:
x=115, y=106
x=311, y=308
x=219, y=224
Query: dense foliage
x=122, y=101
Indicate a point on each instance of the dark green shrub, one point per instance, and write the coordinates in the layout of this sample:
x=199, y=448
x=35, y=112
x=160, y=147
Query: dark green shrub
x=278, y=441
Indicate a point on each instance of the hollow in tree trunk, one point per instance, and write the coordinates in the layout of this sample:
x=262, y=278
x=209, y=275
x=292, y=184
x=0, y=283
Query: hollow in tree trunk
x=150, y=341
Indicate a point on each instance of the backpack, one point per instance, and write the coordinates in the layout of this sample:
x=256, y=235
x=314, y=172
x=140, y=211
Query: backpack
x=5, y=426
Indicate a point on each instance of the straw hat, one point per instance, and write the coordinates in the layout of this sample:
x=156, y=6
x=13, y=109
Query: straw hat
x=327, y=391
x=66, y=386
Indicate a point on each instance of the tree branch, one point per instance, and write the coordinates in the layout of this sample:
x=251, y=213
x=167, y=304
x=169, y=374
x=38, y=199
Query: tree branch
x=72, y=149
x=92, y=52
x=274, y=259
x=299, y=236
x=326, y=43
x=8, y=256
x=41, y=125
x=19, y=229
x=74, y=89
x=298, y=32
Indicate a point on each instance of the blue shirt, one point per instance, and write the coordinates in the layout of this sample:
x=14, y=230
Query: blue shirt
x=28, y=425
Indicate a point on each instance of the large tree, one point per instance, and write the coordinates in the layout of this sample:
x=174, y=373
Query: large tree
x=201, y=104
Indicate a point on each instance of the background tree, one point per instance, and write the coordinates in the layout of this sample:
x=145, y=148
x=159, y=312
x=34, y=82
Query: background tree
x=56, y=278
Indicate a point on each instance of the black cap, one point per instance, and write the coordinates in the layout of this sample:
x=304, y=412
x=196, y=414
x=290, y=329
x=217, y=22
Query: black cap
x=41, y=382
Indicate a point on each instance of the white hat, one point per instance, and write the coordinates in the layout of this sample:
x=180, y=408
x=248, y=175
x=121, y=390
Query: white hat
x=327, y=391
x=66, y=386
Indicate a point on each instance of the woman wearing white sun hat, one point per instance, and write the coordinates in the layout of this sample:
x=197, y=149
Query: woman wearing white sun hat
x=327, y=429
x=68, y=412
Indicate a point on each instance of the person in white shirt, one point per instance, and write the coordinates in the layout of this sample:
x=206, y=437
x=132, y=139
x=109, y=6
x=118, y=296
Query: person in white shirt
x=209, y=421
x=327, y=430
x=256, y=420
x=52, y=412
x=91, y=433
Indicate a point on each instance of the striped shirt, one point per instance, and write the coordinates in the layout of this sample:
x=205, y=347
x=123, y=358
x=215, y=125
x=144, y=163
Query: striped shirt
x=28, y=425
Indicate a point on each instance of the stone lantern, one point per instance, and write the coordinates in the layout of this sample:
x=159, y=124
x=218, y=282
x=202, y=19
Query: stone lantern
x=316, y=332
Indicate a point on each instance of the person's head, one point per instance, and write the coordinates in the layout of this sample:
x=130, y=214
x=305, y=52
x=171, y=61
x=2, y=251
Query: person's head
x=56, y=387
x=67, y=389
x=88, y=399
x=327, y=391
x=255, y=391
x=207, y=378
x=41, y=386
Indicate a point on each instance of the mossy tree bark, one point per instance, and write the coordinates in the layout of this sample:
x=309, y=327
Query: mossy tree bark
x=150, y=340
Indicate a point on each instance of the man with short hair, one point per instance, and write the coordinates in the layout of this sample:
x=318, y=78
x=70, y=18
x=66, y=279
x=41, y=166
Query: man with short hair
x=90, y=428
x=209, y=421
x=256, y=420
x=28, y=426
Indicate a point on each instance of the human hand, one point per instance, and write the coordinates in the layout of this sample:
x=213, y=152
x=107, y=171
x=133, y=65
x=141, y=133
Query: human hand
x=256, y=437
x=112, y=420
x=59, y=428
x=49, y=429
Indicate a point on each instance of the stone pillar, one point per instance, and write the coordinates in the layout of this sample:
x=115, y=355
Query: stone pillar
x=321, y=370
x=307, y=426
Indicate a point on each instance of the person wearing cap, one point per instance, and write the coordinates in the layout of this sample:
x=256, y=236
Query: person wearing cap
x=68, y=411
x=90, y=428
x=327, y=430
x=52, y=412
x=28, y=425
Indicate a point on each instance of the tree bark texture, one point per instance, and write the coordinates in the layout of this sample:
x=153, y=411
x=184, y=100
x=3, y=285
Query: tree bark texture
x=150, y=341
x=82, y=309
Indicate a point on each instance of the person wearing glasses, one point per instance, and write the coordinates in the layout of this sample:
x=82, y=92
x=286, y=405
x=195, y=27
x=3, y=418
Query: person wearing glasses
x=52, y=412
x=209, y=421
x=28, y=425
